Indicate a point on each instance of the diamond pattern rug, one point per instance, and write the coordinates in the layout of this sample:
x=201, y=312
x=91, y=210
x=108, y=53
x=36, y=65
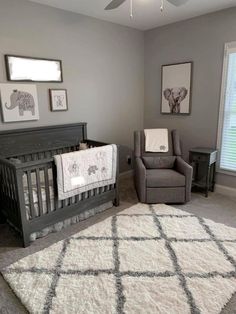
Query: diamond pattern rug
x=145, y=259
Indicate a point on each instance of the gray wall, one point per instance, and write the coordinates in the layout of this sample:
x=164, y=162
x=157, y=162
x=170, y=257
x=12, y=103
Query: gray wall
x=103, y=68
x=200, y=40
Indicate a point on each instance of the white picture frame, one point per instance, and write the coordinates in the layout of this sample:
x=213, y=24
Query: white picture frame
x=176, y=88
x=58, y=99
x=19, y=102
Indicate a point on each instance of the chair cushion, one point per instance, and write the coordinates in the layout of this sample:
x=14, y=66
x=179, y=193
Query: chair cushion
x=165, y=162
x=157, y=178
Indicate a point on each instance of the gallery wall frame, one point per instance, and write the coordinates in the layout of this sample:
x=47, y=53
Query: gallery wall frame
x=32, y=69
x=19, y=102
x=176, y=88
x=58, y=99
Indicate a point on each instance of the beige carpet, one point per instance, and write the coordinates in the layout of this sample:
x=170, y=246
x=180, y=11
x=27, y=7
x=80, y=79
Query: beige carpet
x=145, y=259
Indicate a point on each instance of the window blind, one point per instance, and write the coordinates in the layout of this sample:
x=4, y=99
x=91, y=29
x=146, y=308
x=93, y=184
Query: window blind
x=228, y=138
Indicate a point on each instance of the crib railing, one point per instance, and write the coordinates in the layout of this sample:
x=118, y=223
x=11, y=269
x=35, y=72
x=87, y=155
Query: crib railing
x=45, y=154
x=39, y=155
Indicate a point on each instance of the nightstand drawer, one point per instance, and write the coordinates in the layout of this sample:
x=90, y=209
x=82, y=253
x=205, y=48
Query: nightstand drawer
x=199, y=157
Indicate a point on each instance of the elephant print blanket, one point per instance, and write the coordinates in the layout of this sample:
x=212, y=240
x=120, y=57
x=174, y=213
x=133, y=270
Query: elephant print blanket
x=156, y=140
x=81, y=171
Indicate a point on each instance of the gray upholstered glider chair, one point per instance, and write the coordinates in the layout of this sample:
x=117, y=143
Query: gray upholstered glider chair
x=161, y=177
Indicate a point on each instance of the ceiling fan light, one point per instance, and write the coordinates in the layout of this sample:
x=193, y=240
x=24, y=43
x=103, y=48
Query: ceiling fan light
x=131, y=9
x=162, y=6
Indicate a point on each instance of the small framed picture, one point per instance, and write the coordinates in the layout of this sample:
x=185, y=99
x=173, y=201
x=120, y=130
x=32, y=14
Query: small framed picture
x=58, y=99
x=176, y=88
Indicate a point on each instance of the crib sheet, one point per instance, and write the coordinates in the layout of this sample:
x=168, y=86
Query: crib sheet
x=36, y=201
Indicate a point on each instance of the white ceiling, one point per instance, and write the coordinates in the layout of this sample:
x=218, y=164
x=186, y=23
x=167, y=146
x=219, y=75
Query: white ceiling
x=147, y=13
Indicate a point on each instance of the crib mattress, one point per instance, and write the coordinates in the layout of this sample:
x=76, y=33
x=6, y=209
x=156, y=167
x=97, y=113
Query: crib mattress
x=35, y=207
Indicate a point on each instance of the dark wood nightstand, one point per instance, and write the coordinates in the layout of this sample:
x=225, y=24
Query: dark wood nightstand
x=203, y=161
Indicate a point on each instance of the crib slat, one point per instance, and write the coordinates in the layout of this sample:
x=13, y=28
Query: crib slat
x=14, y=194
x=63, y=203
x=6, y=181
x=82, y=196
x=39, y=192
x=77, y=198
x=11, y=181
x=34, y=156
x=54, y=175
x=56, y=203
x=47, y=189
x=31, y=198
x=4, y=186
x=70, y=201
x=10, y=188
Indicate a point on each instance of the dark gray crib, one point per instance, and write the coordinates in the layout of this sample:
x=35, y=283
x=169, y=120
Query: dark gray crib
x=27, y=155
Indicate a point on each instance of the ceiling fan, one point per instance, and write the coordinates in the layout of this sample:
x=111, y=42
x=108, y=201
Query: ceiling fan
x=116, y=3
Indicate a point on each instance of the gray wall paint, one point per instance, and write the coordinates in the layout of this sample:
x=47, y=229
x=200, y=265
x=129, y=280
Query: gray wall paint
x=104, y=71
x=200, y=40
x=103, y=68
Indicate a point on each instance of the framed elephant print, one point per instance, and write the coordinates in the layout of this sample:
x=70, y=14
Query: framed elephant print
x=176, y=88
x=19, y=102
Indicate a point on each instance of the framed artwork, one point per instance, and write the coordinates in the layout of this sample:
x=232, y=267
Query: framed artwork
x=19, y=102
x=29, y=69
x=58, y=99
x=176, y=88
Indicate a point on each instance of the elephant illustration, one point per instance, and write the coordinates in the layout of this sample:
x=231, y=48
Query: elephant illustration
x=175, y=96
x=92, y=170
x=24, y=101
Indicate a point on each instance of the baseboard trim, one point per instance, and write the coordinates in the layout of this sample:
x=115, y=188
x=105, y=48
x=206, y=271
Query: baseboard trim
x=225, y=190
x=127, y=174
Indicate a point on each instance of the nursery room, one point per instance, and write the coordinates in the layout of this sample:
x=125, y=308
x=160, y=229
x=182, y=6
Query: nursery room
x=118, y=156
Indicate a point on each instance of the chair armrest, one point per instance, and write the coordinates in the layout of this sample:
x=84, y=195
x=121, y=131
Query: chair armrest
x=185, y=169
x=140, y=179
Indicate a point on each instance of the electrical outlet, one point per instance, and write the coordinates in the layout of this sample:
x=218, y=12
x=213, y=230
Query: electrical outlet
x=128, y=160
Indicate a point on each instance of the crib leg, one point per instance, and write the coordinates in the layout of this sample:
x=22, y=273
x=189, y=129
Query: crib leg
x=116, y=202
x=26, y=240
x=2, y=218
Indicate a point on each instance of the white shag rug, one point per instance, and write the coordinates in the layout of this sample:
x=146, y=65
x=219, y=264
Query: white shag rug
x=146, y=259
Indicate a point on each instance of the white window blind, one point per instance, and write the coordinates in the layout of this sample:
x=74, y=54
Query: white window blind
x=228, y=111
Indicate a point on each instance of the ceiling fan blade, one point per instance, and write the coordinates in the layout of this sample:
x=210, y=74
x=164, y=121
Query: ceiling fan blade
x=114, y=4
x=178, y=3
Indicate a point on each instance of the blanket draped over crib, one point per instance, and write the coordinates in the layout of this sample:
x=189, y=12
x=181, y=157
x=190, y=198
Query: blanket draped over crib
x=81, y=171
